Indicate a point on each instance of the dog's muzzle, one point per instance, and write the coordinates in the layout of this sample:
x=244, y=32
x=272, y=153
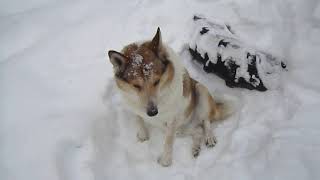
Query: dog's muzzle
x=152, y=109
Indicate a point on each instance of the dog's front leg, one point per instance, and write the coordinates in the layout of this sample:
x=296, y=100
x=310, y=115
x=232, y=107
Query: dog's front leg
x=166, y=157
x=210, y=140
x=143, y=133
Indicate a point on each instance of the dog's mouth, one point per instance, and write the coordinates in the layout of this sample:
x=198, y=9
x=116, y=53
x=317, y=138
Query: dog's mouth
x=152, y=109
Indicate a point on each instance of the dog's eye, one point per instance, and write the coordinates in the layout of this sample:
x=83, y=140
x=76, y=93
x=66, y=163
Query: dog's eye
x=156, y=83
x=137, y=86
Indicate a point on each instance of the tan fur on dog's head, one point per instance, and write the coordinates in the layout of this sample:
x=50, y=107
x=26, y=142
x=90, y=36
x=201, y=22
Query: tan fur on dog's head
x=143, y=70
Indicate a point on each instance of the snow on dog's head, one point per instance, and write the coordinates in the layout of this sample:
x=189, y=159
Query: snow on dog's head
x=141, y=71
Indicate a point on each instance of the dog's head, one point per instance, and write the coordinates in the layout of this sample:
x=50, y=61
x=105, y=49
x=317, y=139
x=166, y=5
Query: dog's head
x=142, y=71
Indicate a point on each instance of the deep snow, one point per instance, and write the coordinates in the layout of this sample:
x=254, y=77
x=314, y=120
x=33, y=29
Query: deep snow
x=61, y=117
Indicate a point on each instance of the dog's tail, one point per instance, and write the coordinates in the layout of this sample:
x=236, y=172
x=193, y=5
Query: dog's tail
x=222, y=110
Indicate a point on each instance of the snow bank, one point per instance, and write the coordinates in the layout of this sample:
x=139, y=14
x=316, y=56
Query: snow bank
x=59, y=121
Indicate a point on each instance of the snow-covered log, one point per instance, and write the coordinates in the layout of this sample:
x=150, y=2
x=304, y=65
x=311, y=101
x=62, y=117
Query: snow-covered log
x=217, y=47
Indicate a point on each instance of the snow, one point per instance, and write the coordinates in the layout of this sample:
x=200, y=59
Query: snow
x=137, y=60
x=61, y=117
x=147, y=69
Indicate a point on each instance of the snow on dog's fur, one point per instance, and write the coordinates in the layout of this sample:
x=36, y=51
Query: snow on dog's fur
x=159, y=90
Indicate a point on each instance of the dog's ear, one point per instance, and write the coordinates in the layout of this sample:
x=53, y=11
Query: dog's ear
x=155, y=44
x=118, y=61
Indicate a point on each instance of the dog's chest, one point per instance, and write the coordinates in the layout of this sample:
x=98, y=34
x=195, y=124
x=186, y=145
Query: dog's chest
x=169, y=113
x=160, y=121
x=163, y=118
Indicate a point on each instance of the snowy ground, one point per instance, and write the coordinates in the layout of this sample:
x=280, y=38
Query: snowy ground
x=60, y=117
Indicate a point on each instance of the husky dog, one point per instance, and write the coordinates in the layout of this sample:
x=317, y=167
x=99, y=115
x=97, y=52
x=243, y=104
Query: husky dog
x=158, y=90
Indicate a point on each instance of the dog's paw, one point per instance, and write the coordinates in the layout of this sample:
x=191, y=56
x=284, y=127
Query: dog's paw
x=165, y=160
x=196, y=151
x=143, y=135
x=210, y=141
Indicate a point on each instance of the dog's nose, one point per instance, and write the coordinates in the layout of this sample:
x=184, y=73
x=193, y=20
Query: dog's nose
x=152, y=110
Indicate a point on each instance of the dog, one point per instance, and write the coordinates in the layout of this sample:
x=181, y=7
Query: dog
x=158, y=89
